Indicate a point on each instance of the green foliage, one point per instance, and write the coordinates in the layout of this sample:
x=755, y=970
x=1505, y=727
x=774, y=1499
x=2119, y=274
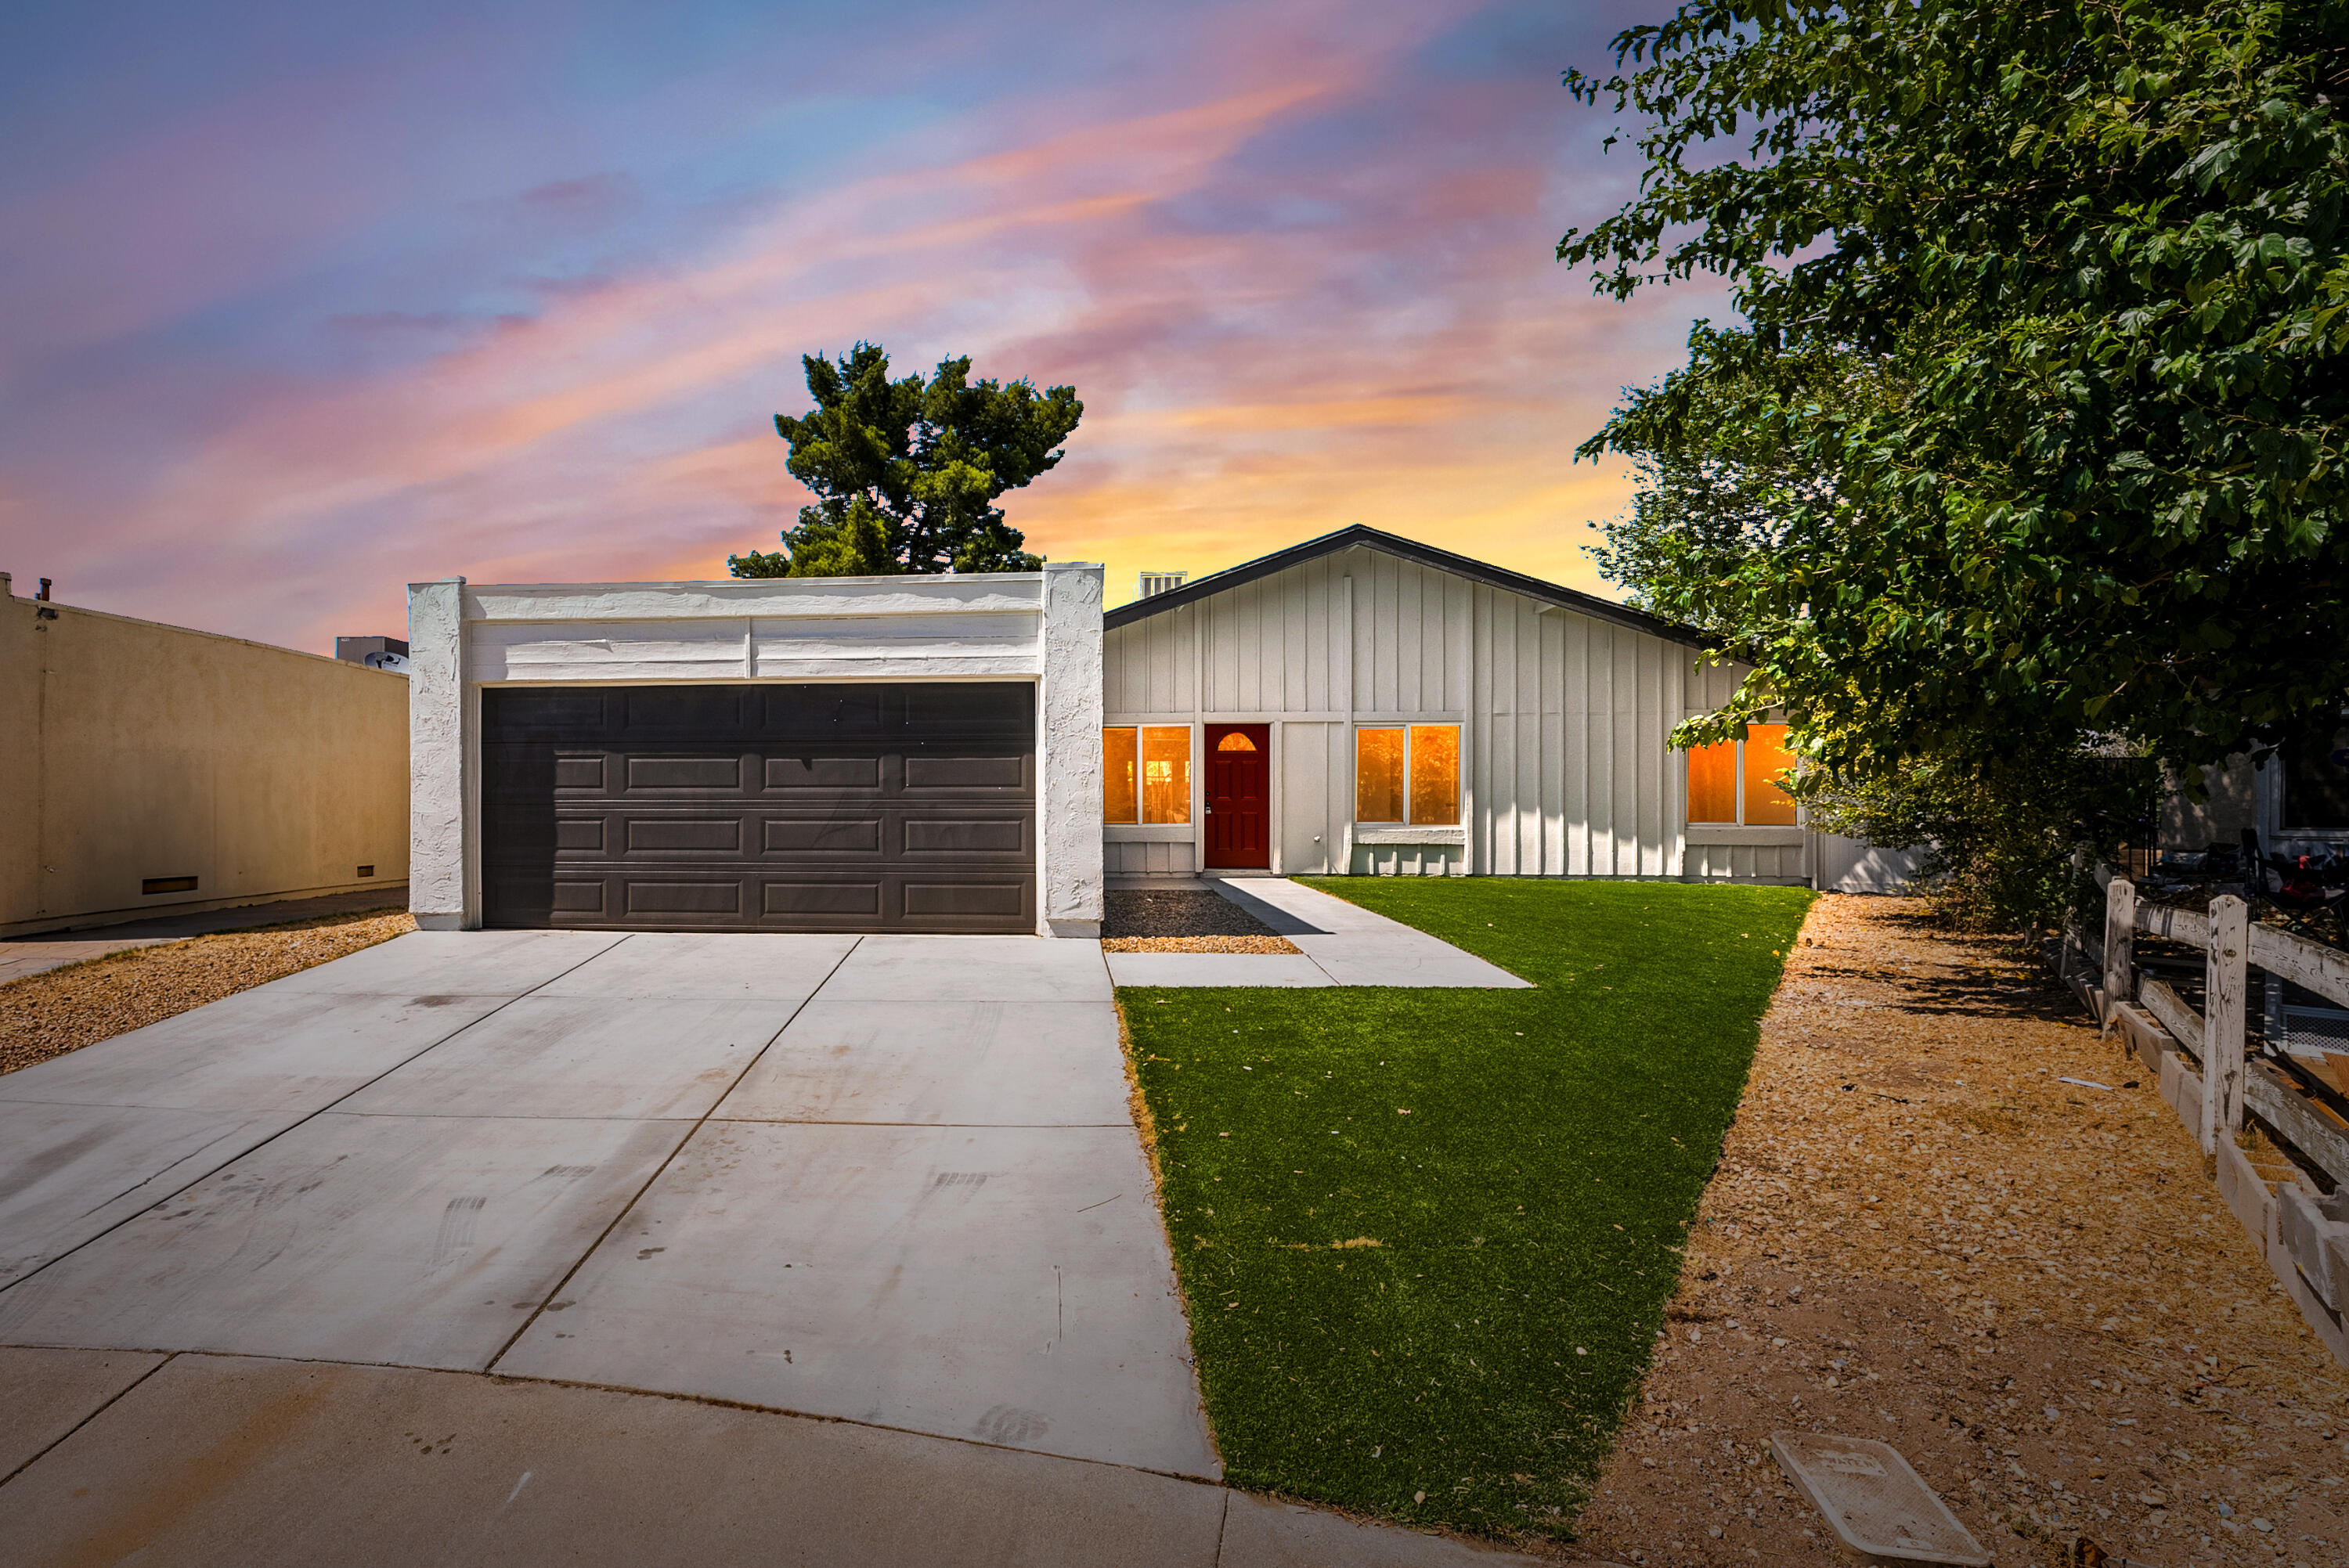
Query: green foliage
x=2033, y=428
x=906, y=472
x=1528, y=1213
x=1998, y=832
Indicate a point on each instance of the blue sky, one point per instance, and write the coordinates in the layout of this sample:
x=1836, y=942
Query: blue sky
x=304, y=303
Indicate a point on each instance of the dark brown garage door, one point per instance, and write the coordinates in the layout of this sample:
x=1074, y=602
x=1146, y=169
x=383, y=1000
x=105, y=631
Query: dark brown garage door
x=760, y=807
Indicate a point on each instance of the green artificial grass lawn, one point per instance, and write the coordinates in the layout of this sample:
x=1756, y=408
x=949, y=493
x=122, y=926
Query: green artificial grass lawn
x=1427, y=1236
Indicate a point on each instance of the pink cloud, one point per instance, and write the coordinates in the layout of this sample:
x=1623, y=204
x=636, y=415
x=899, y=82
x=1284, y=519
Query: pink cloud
x=1410, y=359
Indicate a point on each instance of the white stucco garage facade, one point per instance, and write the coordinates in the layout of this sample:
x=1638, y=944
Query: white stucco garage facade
x=915, y=753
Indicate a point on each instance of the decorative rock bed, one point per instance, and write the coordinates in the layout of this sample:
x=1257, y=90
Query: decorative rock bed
x=1184, y=920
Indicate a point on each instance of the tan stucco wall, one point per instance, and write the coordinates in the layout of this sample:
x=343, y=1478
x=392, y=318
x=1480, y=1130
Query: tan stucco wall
x=131, y=750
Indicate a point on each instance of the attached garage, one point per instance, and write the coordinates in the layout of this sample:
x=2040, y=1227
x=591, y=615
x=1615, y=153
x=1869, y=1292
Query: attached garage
x=760, y=807
x=846, y=754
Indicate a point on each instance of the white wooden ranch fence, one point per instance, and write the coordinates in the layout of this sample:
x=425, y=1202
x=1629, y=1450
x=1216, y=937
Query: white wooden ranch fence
x=2210, y=1078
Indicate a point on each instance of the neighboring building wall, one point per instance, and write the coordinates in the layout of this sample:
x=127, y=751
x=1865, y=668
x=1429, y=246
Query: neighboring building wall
x=2242, y=795
x=1855, y=865
x=2231, y=802
x=131, y=751
x=1564, y=717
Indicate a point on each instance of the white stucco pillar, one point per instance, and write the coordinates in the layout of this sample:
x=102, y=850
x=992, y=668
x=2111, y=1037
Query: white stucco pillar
x=1069, y=753
x=439, y=823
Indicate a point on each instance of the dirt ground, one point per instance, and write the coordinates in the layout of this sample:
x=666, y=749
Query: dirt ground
x=48, y=1014
x=1919, y=1233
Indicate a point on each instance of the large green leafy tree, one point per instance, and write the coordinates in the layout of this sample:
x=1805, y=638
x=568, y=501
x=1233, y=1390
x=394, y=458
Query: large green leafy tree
x=906, y=472
x=2031, y=428
x=1997, y=816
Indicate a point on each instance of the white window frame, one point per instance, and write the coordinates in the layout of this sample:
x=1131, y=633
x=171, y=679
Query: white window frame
x=1365, y=830
x=1140, y=792
x=1740, y=831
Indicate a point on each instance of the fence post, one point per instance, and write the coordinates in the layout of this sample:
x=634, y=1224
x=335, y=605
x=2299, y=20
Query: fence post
x=2120, y=935
x=2225, y=985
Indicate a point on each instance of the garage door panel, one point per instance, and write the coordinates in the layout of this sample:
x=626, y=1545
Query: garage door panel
x=761, y=808
x=534, y=900
x=715, y=773
x=994, y=774
x=981, y=707
x=821, y=835
x=824, y=899
x=842, y=711
x=685, y=835
x=858, y=774
x=700, y=711
x=578, y=897
x=989, y=838
x=563, y=714
x=645, y=896
x=965, y=899
x=526, y=770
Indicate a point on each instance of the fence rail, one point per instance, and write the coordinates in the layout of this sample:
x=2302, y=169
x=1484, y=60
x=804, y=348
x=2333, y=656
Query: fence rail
x=2210, y=1078
x=2323, y=970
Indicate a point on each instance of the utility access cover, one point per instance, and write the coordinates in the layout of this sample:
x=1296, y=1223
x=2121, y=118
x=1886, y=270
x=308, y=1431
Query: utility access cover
x=1875, y=1504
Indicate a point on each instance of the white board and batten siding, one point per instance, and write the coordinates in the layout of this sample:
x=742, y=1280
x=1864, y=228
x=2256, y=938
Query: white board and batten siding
x=1567, y=768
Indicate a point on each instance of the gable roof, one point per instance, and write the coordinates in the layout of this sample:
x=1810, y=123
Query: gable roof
x=1365, y=538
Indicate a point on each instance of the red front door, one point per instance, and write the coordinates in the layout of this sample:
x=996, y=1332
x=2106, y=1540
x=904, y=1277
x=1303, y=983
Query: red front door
x=1239, y=771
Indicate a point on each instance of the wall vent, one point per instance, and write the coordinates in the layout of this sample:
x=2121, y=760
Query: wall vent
x=1157, y=583
x=167, y=885
x=367, y=870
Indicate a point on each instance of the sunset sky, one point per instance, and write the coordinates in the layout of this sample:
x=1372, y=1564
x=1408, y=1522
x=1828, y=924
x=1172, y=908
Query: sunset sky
x=299, y=303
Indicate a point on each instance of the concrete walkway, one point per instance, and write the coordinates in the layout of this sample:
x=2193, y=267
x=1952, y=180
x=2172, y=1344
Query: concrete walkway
x=1341, y=943
x=23, y=955
x=244, y=1463
x=890, y=1180
x=524, y=1246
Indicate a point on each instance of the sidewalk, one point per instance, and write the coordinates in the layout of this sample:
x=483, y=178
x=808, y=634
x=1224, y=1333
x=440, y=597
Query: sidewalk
x=1339, y=943
x=198, y=1460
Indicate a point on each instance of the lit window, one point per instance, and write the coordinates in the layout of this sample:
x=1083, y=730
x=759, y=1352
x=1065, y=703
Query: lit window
x=1378, y=775
x=1427, y=756
x=1121, y=795
x=1736, y=782
x=1146, y=774
x=1767, y=763
x=1166, y=775
x=1435, y=774
x=1235, y=741
x=1712, y=783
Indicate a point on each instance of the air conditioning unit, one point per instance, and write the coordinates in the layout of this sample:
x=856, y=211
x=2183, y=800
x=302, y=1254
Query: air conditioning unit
x=1157, y=583
x=375, y=653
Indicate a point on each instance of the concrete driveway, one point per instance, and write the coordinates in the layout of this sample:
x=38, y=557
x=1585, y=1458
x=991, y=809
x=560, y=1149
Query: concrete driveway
x=889, y=1180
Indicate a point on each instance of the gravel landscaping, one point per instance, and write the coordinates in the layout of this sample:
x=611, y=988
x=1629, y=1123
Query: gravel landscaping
x=48, y=1014
x=1921, y=1232
x=1184, y=920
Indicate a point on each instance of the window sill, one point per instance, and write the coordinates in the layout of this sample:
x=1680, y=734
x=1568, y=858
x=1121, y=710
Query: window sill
x=1731, y=834
x=1401, y=833
x=1147, y=832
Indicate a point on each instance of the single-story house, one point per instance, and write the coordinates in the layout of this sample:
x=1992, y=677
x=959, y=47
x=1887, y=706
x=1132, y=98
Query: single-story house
x=988, y=753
